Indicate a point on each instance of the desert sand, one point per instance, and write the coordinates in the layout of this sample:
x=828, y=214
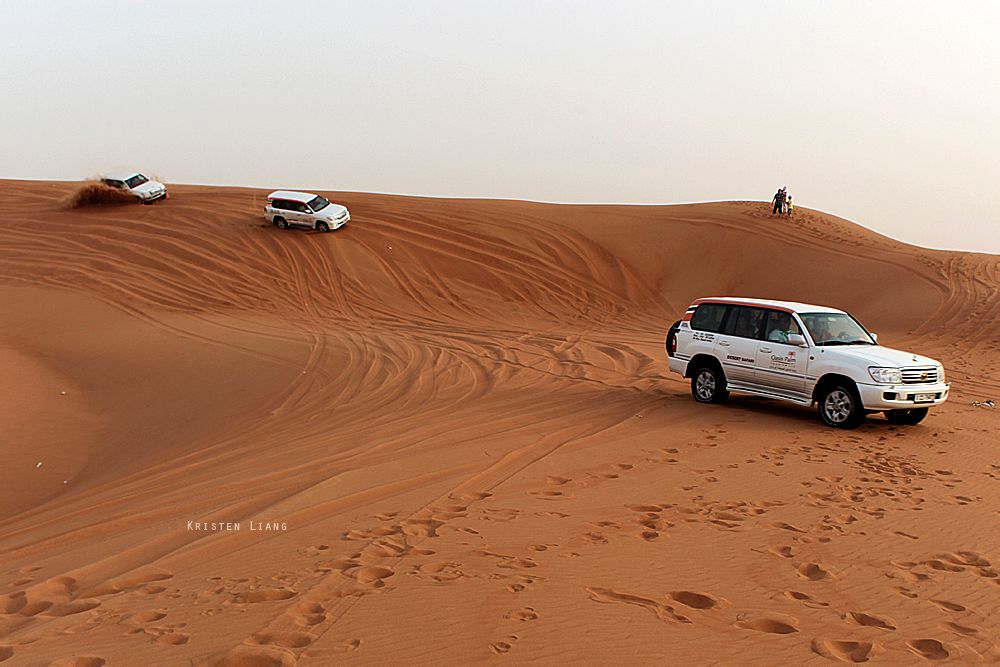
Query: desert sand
x=457, y=418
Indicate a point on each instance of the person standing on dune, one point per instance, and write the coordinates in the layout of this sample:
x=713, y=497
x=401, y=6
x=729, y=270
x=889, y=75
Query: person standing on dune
x=788, y=205
x=779, y=202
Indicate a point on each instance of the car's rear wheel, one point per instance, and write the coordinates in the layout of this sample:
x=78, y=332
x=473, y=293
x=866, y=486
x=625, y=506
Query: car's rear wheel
x=708, y=385
x=840, y=407
x=909, y=417
x=280, y=223
x=322, y=227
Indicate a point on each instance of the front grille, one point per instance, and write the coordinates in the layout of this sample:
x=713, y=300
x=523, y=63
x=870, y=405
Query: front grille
x=923, y=375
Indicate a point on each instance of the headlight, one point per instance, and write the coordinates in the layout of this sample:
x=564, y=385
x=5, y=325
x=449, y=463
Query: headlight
x=886, y=375
x=941, y=377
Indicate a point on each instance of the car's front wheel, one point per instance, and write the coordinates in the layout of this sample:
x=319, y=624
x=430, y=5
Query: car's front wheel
x=708, y=385
x=322, y=227
x=909, y=417
x=280, y=223
x=840, y=407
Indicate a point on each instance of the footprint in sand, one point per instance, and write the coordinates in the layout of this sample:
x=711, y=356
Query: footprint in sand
x=266, y=595
x=843, y=650
x=929, y=649
x=470, y=496
x=550, y=494
x=269, y=656
x=522, y=583
x=805, y=599
x=503, y=646
x=663, y=611
x=770, y=625
x=967, y=558
x=812, y=572
x=314, y=550
x=525, y=614
x=12, y=603
x=869, y=620
x=297, y=639
x=697, y=600
x=439, y=572
x=308, y=613
x=960, y=629
x=372, y=575
x=942, y=566
x=784, y=552
x=949, y=606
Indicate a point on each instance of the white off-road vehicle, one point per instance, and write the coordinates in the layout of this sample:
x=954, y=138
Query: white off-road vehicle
x=803, y=354
x=287, y=208
x=145, y=190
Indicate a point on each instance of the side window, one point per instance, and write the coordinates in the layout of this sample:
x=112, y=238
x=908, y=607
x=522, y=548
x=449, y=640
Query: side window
x=746, y=322
x=779, y=326
x=708, y=317
x=280, y=204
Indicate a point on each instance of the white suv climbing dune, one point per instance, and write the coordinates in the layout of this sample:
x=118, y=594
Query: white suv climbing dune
x=286, y=208
x=804, y=354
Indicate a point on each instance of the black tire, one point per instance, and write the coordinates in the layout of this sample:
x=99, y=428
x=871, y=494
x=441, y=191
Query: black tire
x=322, y=226
x=671, y=337
x=910, y=417
x=708, y=385
x=840, y=406
x=280, y=223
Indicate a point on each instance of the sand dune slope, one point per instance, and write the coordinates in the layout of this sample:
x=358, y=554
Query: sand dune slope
x=448, y=435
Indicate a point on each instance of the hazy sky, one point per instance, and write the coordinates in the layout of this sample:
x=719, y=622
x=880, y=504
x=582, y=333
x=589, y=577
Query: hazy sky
x=886, y=113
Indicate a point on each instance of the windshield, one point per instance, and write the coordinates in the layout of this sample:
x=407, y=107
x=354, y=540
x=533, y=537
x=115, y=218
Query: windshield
x=318, y=204
x=136, y=181
x=835, y=329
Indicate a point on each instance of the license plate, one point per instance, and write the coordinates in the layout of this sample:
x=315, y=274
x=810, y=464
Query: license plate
x=923, y=398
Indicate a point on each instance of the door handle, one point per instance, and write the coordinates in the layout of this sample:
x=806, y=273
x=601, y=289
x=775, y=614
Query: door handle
x=723, y=343
x=765, y=349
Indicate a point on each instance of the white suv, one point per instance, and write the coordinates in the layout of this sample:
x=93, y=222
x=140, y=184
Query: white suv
x=145, y=190
x=302, y=209
x=803, y=354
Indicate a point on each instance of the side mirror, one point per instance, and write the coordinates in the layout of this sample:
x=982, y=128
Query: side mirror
x=797, y=339
x=875, y=338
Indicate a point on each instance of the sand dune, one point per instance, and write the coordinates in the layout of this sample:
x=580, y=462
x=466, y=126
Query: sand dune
x=449, y=435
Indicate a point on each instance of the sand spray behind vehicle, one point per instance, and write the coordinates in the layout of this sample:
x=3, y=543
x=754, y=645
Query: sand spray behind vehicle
x=95, y=193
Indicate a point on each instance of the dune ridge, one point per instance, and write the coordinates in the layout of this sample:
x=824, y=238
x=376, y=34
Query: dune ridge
x=461, y=411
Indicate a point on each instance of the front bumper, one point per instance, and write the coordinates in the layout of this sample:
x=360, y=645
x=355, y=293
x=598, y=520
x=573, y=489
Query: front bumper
x=151, y=198
x=337, y=224
x=901, y=396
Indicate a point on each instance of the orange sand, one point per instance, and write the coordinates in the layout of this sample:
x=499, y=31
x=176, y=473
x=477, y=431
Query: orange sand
x=462, y=414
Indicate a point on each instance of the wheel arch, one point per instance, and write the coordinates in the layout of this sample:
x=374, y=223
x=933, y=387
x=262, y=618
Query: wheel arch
x=831, y=379
x=699, y=360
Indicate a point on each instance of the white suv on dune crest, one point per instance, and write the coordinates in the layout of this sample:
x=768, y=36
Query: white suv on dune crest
x=804, y=354
x=143, y=188
x=286, y=208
